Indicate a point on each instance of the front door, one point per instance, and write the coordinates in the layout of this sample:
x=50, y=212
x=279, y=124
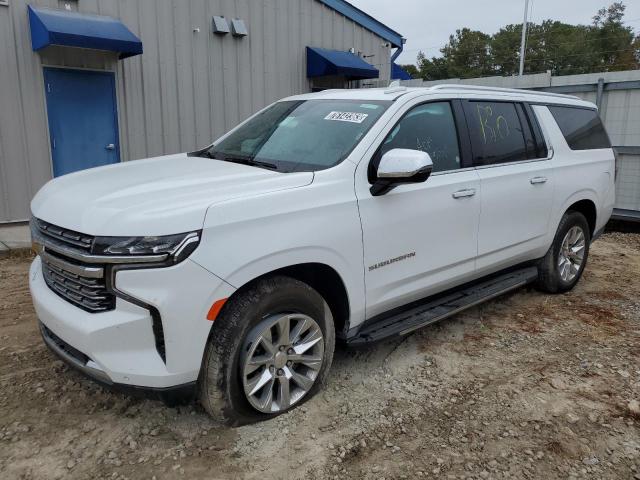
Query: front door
x=83, y=121
x=419, y=238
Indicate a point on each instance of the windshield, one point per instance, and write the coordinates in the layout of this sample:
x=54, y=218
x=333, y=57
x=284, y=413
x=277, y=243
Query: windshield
x=294, y=136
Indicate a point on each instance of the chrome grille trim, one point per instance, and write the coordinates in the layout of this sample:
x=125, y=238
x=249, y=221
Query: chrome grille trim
x=77, y=284
x=65, y=236
x=72, y=268
x=89, y=294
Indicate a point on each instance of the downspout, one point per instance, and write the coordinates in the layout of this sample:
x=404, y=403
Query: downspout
x=397, y=53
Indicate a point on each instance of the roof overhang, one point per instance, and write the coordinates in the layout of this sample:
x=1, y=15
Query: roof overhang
x=73, y=29
x=366, y=20
x=322, y=62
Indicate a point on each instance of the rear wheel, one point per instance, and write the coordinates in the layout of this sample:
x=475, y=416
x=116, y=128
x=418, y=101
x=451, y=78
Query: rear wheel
x=269, y=350
x=562, y=266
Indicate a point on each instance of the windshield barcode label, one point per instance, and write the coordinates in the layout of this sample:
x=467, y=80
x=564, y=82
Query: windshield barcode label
x=353, y=117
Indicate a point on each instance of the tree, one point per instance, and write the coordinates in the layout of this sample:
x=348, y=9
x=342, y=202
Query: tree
x=614, y=41
x=434, y=69
x=468, y=54
x=411, y=70
x=564, y=49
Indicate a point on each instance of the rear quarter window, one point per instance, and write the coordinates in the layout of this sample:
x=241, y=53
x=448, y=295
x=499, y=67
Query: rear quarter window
x=581, y=127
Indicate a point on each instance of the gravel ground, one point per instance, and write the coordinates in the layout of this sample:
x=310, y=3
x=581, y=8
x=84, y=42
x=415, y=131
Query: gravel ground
x=526, y=386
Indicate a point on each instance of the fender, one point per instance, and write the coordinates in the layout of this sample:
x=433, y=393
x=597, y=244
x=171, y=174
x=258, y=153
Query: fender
x=246, y=238
x=583, y=194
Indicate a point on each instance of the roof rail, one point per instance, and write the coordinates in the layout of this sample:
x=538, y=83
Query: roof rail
x=451, y=86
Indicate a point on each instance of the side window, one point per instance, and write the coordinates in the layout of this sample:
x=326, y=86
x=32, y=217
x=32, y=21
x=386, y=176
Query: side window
x=497, y=135
x=581, y=127
x=431, y=128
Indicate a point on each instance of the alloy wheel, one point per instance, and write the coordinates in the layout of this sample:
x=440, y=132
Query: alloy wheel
x=571, y=255
x=281, y=361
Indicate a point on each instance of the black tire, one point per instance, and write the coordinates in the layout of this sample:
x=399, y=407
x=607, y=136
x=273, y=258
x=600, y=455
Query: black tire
x=220, y=387
x=549, y=279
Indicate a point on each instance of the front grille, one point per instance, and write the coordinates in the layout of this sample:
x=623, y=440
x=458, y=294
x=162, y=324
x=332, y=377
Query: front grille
x=90, y=294
x=81, y=284
x=62, y=235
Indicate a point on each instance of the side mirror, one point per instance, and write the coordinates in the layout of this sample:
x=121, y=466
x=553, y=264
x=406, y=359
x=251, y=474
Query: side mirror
x=401, y=165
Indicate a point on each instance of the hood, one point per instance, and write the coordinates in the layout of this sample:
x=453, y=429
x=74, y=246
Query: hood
x=156, y=196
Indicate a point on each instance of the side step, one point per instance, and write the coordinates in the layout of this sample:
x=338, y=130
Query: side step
x=443, y=306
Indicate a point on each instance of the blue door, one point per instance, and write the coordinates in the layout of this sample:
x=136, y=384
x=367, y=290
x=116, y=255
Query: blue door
x=83, y=120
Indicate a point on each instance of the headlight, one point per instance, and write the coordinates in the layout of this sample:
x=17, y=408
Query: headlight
x=177, y=247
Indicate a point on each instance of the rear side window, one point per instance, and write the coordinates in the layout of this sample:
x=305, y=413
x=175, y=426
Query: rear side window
x=581, y=127
x=497, y=135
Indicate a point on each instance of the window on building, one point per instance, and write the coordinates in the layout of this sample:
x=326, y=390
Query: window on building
x=581, y=127
x=497, y=135
x=431, y=128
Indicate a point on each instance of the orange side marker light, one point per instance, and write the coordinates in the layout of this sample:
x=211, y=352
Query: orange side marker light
x=215, y=309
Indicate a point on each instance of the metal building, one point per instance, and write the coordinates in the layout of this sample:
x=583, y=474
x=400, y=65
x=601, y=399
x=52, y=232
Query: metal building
x=91, y=82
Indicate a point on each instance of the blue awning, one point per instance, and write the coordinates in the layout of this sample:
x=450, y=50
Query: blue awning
x=73, y=29
x=399, y=73
x=322, y=62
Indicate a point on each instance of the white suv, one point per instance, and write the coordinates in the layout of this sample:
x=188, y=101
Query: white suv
x=350, y=214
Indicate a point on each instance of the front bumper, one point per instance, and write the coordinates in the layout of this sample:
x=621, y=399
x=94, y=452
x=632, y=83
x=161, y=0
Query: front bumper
x=79, y=361
x=118, y=347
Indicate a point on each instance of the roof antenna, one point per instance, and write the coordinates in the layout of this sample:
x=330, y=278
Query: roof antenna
x=395, y=87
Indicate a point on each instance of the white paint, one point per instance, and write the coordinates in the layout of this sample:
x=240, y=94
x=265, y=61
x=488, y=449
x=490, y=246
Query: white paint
x=421, y=238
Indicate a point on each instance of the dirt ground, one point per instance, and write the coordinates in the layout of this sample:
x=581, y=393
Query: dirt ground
x=526, y=386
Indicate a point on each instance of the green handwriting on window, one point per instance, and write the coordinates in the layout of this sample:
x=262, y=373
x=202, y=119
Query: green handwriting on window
x=493, y=128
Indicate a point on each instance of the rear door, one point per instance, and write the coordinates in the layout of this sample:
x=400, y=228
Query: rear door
x=517, y=182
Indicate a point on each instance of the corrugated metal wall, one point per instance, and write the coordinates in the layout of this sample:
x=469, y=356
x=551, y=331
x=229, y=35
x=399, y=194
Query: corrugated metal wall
x=619, y=109
x=185, y=90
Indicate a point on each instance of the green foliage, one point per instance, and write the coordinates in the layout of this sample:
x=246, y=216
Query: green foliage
x=605, y=45
x=412, y=70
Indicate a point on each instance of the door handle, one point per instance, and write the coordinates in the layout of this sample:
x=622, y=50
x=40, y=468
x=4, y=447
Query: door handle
x=467, y=192
x=537, y=180
x=111, y=146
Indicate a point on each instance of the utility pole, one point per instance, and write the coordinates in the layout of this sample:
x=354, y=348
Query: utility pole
x=523, y=40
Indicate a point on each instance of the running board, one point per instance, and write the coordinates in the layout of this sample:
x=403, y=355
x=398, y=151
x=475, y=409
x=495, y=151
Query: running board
x=443, y=306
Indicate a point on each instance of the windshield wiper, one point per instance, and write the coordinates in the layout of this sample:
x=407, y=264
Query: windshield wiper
x=245, y=161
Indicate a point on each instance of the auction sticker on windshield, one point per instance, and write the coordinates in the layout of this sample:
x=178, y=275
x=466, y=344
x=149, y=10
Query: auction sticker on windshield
x=353, y=117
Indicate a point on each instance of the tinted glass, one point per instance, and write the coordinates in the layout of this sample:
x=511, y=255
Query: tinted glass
x=496, y=133
x=430, y=128
x=301, y=135
x=581, y=128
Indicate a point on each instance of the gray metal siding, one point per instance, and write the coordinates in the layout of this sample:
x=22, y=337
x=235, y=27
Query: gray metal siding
x=184, y=91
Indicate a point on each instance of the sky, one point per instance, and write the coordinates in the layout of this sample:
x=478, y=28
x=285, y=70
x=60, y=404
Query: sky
x=427, y=24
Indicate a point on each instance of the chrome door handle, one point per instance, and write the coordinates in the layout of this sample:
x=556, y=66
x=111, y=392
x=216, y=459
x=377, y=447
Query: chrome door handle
x=537, y=180
x=111, y=146
x=467, y=192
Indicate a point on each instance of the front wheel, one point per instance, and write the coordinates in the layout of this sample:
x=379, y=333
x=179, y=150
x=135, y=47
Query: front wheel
x=562, y=266
x=269, y=350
